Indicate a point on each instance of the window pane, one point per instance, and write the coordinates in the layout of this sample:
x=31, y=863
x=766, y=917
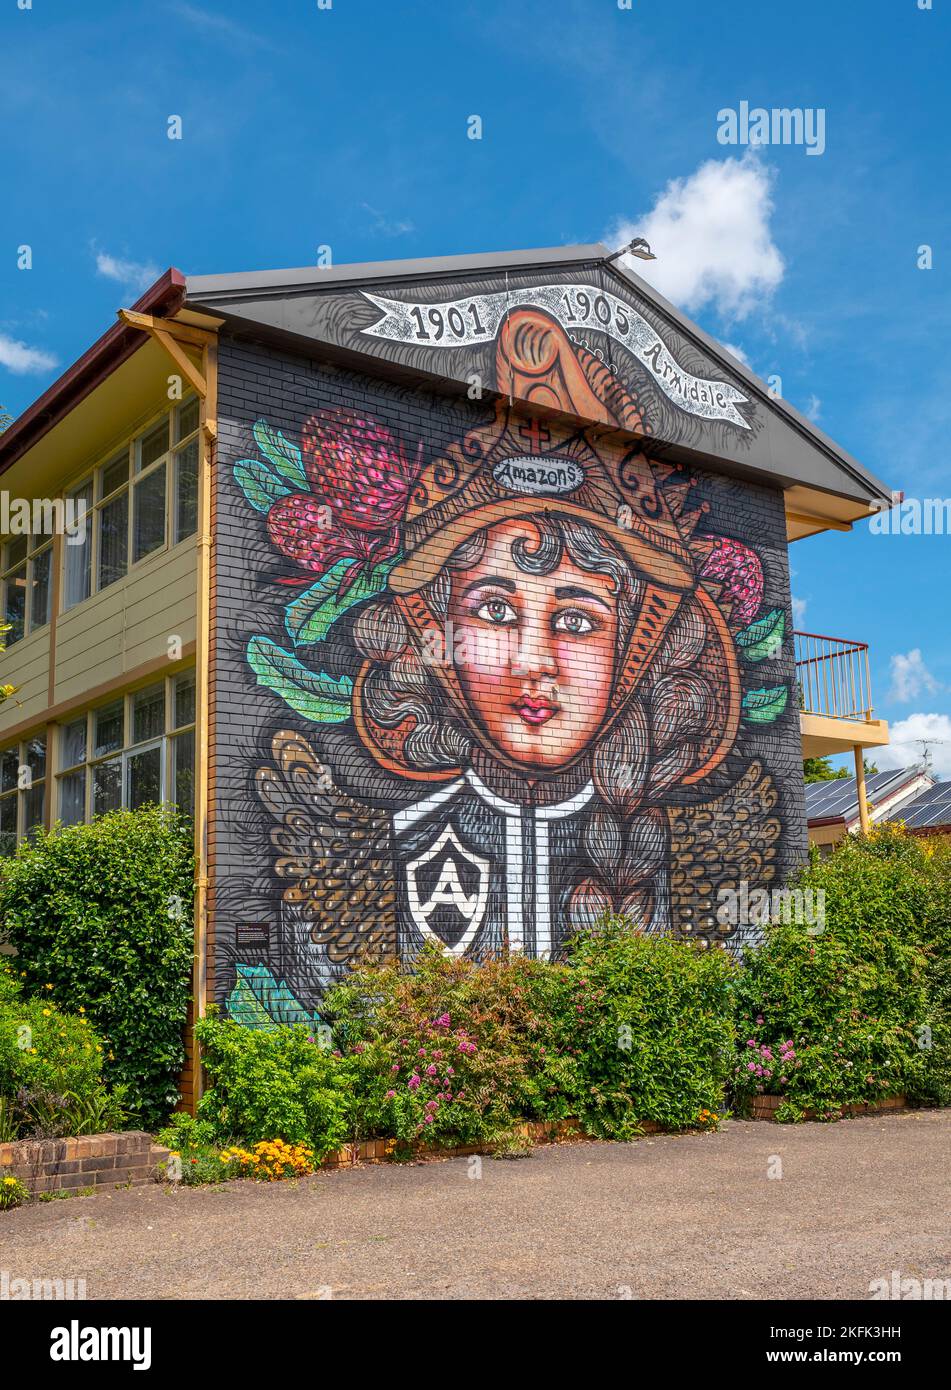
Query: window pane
x=78, y=551
x=72, y=797
x=14, y=605
x=144, y=778
x=186, y=491
x=9, y=769
x=108, y=729
x=14, y=552
x=188, y=418
x=114, y=474
x=149, y=517
x=183, y=772
x=36, y=757
x=8, y=825
x=34, y=806
x=107, y=787
x=184, y=700
x=113, y=540
x=153, y=445
x=73, y=744
x=148, y=713
x=40, y=590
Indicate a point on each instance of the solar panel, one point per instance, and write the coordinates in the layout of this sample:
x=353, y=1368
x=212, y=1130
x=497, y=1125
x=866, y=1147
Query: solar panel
x=839, y=797
x=932, y=807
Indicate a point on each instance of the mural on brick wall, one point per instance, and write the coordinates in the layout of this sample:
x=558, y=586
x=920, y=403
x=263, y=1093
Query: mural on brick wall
x=516, y=678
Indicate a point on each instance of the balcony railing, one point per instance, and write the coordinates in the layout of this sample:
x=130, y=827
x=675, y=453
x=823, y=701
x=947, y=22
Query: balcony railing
x=833, y=677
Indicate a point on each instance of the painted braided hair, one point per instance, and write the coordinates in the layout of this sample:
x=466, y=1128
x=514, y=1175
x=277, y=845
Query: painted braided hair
x=651, y=747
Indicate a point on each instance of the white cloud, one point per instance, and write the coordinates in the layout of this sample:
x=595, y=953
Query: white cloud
x=20, y=358
x=905, y=750
x=798, y=610
x=739, y=354
x=711, y=235
x=134, y=275
x=814, y=409
x=388, y=226
x=911, y=677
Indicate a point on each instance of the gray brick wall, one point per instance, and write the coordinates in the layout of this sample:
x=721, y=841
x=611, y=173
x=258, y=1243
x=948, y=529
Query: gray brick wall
x=305, y=878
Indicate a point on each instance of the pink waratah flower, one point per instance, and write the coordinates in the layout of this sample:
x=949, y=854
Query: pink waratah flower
x=443, y=1021
x=751, y=1042
x=427, y=1119
x=421, y=1052
x=437, y=1055
x=414, y=1082
x=431, y=1069
x=395, y=1066
x=751, y=1066
x=390, y=1095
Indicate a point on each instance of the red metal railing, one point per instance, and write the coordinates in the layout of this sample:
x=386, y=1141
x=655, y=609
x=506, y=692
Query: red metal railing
x=833, y=676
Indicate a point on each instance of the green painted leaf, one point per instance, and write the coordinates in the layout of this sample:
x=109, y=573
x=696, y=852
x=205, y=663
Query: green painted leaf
x=317, y=696
x=311, y=614
x=259, y=484
x=764, y=638
x=285, y=456
x=765, y=705
x=260, y=1001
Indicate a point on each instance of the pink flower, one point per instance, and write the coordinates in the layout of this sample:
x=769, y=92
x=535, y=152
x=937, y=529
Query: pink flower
x=390, y=1095
x=395, y=1066
x=427, y=1119
x=414, y=1082
x=421, y=1052
x=431, y=1069
x=751, y=1066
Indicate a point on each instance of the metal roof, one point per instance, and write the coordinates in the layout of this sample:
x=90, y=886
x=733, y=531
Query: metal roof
x=839, y=796
x=931, y=807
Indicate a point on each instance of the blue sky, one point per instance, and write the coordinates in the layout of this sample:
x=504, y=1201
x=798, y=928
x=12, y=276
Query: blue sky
x=347, y=127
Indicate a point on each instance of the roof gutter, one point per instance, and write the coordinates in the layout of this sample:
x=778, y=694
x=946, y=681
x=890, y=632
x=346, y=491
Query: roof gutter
x=89, y=371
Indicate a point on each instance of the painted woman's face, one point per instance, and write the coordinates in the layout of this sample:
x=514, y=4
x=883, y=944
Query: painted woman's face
x=534, y=654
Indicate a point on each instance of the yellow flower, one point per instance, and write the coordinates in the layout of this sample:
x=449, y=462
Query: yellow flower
x=9, y=1182
x=47, y=1012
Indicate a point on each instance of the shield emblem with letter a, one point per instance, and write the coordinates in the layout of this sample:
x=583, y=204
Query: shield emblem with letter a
x=448, y=888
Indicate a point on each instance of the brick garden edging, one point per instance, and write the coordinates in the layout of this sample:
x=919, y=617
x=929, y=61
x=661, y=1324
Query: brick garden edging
x=93, y=1160
x=765, y=1107
x=534, y=1131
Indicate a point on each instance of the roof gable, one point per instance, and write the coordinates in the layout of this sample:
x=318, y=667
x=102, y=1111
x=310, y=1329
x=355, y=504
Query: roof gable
x=560, y=330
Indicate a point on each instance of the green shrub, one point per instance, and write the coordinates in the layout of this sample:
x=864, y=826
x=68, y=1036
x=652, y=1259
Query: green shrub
x=650, y=1022
x=834, y=1015
x=50, y=1073
x=634, y=1028
x=454, y=1053
x=272, y=1084
x=102, y=914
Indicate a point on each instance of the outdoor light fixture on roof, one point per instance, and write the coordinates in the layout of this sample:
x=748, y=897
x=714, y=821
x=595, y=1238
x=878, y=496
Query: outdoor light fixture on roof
x=638, y=247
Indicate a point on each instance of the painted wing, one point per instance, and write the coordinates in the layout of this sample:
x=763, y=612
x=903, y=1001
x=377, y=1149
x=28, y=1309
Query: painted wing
x=333, y=853
x=718, y=844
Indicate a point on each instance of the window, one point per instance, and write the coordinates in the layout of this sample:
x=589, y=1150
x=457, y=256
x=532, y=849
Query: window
x=22, y=791
x=27, y=591
x=144, y=498
x=135, y=750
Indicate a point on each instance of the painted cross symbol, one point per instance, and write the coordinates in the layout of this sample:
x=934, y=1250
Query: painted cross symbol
x=536, y=434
